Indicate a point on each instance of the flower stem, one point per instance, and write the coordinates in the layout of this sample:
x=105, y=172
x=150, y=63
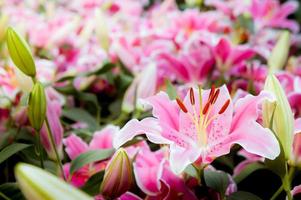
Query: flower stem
x=38, y=136
x=287, y=183
x=54, y=147
x=276, y=194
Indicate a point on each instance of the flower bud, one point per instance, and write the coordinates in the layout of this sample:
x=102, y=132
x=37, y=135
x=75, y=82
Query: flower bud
x=3, y=24
x=194, y=2
x=118, y=176
x=281, y=113
x=37, y=106
x=20, y=52
x=280, y=52
x=102, y=30
x=37, y=184
x=143, y=86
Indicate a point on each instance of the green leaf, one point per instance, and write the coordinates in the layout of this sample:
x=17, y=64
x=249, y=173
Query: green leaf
x=171, y=90
x=20, y=53
x=91, y=98
x=239, y=195
x=89, y=157
x=11, y=150
x=93, y=184
x=102, y=70
x=10, y=191
x=246, y=22
x=216, y=180
x=192, y=171
x=249, y=169
x=105, y=68
x=80, y=115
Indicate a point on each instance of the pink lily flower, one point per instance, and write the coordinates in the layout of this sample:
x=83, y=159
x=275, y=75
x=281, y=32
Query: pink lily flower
x=226, y=55
x=76, y=146
x=54, y=110
x=125, y=196
x=296, y=154
x=154, y=177
x=269, y=13
x=143, y=86
x=53, y=114
x=296, y=190
x=192, y=64
x=204, y=126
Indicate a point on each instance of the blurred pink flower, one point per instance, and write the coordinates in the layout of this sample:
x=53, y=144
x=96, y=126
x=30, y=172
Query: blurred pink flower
x=53, y=112
x=154, y=177
x=269, y=13
x=202, y=131
x=227, y=55
x=74, y=146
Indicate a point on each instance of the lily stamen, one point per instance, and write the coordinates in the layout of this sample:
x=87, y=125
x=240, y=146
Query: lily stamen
x=224, y=107
x=192, y=100
x=181, y=105
x=215, y=96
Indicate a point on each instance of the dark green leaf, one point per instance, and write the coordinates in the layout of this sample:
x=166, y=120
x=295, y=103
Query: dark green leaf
x=192, y=171
x=11, y=190
x=92, y=186
x=216, y=180
x=123, y=81
x=105, y=68
x=11, y=150
x=80, y=115
x=241, y=195
x=90, y=157
x=249, y=169
x=92, y=98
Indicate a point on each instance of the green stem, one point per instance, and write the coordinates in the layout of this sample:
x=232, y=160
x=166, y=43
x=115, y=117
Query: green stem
x=120, y=119
x=287, y=182
x=54, y=147
x=276, y=194
x=38, y=136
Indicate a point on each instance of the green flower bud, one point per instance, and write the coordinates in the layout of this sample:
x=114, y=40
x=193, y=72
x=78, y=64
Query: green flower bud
x=118, y=176
x=3, y=24
x=194, y=2
x=37, y=184
x=37, y=106
x=102, y=30
x=283, y=119
x=278, y=57
x=20, y=52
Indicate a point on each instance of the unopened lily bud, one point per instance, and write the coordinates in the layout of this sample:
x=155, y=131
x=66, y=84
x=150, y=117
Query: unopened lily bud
x=37, y=184
x=281, y=114
x=102, y=30
x=280, y=52
x=143, y=86
x=194, y=2
x=3, y=24
x=20, y=52
x=118, y=176
x=37, y=106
